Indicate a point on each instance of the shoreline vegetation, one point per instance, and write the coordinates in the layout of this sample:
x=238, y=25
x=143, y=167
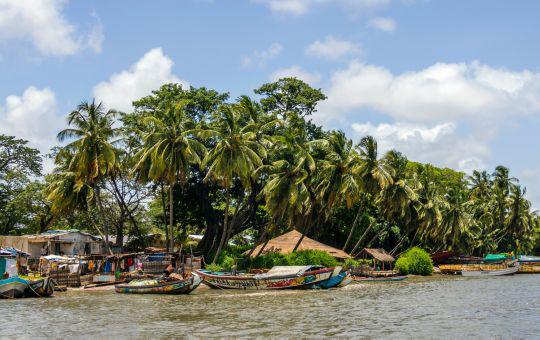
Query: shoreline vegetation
x=242, y=171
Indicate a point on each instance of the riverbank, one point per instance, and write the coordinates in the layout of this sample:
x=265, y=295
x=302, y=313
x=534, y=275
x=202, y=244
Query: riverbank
x=441, y=306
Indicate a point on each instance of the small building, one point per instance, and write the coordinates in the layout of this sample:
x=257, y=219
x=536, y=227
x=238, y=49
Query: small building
x=382, y=263
x=64, y=242
x=285, y=244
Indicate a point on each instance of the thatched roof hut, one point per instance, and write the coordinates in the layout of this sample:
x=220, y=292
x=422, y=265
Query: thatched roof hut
x=285, y=243
x=378, y=254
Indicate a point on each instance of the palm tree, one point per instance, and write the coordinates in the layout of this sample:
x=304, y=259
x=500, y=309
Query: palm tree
x=502, y=183
x=170, y=147
x=337, y=181
x=519, y=217
x=454, y=230
x=94, y=155
x=395, y=200
x=236, y=155
x=373, y=175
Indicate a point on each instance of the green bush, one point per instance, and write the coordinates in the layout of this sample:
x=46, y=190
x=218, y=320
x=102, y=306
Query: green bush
x=351, y=263
x=415, y=261
x=312, y=257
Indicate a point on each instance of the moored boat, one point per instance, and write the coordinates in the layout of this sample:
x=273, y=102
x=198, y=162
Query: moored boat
x=279, y=277
x=529, y=264
x=160, y=286
x=379, y=279
x=498, y=272
x=339, y=278
x=40, y=288
x=13, y=287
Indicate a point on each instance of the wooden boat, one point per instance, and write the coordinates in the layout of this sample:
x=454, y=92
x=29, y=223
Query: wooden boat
x=458, y=268
x=40, y=288
x=379, y=279
x=529, y=259
x=160, y=286
x=279, y=277
x=342, y=279
x=13, y=287
x=499, y=272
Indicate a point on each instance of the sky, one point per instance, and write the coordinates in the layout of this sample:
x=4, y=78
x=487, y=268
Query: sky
x=452, y=83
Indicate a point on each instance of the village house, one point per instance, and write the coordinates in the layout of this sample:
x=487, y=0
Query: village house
x=58, y=242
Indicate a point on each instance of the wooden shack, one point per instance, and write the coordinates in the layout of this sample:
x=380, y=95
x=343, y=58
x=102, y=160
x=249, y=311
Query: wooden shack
x=382, y=263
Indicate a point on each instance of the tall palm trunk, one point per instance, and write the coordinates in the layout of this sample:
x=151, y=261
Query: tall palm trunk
x=224, y=231
x=102, y=215
x=262, y=238
x=355, y=224
x=171, y=217
x=163, y=205
x=307, y=228
x=362, y=237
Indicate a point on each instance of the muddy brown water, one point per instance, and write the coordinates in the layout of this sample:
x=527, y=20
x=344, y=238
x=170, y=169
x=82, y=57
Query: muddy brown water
x=434, y=307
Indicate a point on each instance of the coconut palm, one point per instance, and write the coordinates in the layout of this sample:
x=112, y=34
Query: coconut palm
x=519, y=217
x=396, y=199
x=170, y=147
x=236, y=155
x=373, y=175
x=337, y=181
x=93, y=153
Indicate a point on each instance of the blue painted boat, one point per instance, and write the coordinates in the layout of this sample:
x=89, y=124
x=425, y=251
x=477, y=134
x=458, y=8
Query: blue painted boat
x=341, y=279
x=13, y=287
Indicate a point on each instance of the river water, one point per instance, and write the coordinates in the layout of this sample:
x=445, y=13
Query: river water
x=434, y=307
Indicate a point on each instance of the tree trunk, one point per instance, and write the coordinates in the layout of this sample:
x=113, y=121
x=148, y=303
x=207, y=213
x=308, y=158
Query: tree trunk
x=97, y=229
x=355, y=224
x=120, y=233
x=225, y=227
x=171, y=218
x=103, y=219
x=259, y=241
x=363, y=236
x=128, y=212
x=373, y=239
x=165, y=223
x=306, y=230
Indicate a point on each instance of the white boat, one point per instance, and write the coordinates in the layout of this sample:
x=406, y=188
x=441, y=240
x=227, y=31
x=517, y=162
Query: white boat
x=499, y=272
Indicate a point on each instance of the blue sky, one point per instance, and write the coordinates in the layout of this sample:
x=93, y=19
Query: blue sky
x=455, y=84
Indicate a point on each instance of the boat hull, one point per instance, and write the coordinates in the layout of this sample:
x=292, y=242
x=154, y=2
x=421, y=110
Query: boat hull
x=341, y=279
x=305, y=281
x=13, y=287
x=379, y=279
x=40, y=288
x=501, y=272
x=156, y=287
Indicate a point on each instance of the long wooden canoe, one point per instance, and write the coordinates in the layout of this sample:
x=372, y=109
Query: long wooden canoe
x=279, y=277
x=159, y=286
x=379, y=279
x=500, y=272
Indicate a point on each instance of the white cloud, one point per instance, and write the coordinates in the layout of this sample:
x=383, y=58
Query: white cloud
x=259, y=58
x=43, y=23
x=439, y=144
x=33, y=116
x=147, y=74
x=300, y=7
x=96, y=36
x=297, y=72
x=333, y=48
x=383, y=24
x=443, y=91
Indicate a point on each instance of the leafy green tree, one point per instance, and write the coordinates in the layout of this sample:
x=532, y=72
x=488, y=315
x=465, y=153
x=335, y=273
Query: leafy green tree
x=169, y=148
x=373, y=174
x=236, y=155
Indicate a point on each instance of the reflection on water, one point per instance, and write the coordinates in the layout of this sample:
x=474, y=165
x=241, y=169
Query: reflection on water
x=421, y=307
